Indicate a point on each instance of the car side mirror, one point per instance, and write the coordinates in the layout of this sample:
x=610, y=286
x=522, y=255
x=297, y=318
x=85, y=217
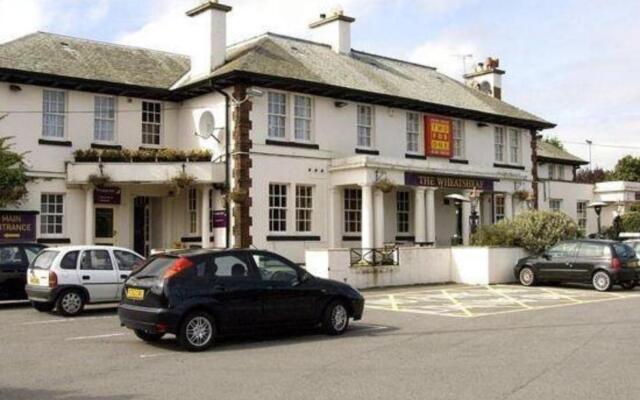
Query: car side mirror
x=546, y=256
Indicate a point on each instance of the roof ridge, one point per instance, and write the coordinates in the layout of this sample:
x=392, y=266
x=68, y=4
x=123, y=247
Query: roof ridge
x=104, y=43
x=429, y=67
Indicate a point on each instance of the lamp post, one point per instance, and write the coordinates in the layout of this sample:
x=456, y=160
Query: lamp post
x=597, y=207
x=474, y=218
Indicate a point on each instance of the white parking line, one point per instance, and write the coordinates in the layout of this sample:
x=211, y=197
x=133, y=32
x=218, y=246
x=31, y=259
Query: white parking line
x=60, y=320
x=153, y=355
x=95, y=336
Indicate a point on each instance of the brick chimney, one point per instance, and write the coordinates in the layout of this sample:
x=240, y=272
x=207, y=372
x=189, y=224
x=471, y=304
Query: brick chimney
x=487, y=77
x=334, y=29
x=210, y=18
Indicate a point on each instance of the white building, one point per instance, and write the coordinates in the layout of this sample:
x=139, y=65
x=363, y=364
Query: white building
x=329, y=146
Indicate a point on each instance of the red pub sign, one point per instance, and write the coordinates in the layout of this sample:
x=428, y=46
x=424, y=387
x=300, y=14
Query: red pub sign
x=438, y=136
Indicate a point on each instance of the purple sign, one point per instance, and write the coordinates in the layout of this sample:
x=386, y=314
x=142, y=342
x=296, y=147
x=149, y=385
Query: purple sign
x=220, y=219
x=18, y=226
x=107, y=195
x=448, y=181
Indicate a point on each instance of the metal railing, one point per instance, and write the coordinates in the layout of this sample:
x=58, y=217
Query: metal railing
x=374, y=257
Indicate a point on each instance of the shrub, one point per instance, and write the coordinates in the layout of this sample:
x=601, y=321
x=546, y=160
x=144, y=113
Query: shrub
x=534, y=231
x=142, y=155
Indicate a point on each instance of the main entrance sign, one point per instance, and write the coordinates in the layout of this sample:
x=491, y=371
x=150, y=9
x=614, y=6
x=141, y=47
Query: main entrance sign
x=439, y=137
x=448, y=181
x=18, y=226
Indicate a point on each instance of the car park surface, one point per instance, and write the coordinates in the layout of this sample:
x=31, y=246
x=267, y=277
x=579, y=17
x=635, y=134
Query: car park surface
x=546, y=352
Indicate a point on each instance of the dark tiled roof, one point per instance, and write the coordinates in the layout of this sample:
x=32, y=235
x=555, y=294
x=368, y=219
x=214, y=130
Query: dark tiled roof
x=52, y=54
x=547, y=151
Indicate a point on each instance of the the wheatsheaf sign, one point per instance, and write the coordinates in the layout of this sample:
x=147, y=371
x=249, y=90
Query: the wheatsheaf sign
x=448, y=181
x=17, y=226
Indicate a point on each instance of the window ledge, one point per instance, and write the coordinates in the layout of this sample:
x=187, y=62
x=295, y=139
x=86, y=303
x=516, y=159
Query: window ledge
x=293, y=238
x=349, y=238
x=458, y=161
x=414, y=156
x=300, y=145
x=509, y=166
x=370, y=152
x=104, y=146
x=55, y=142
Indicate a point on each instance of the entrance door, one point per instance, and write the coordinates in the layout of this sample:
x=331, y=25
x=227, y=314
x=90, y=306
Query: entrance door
x=105, y=233
x=141, y=226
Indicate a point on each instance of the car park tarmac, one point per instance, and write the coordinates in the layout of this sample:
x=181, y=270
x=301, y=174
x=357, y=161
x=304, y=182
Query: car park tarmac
x=518, y=343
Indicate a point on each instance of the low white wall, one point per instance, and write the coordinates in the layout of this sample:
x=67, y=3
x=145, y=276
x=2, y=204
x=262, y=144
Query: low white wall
x=420, y=265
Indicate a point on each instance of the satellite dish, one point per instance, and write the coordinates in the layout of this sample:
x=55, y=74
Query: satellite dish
x=485, y=87
x=207, y=124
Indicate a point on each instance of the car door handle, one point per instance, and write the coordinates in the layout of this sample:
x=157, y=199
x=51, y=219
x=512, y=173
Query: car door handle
x=124, y=276
x=86, y=277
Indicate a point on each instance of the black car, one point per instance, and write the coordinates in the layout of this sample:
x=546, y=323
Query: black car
x=14, y=261
x=200, y=294
x=602, y=263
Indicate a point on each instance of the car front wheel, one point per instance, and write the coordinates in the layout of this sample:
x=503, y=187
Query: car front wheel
x=527, y=277
x=336, y=319
x=148, y=337
x=602, y=281
x=197, y=332
x=70, y=303
x=629, y=285
x=42, y=307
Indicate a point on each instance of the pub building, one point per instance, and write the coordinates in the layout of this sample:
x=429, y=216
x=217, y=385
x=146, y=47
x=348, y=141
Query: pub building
x=312, y=143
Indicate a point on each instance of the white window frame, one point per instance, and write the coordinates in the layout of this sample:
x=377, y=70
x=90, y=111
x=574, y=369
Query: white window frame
x=362, y=126
x=278, y=205
x=192, y=211
x=552, y=171
x=499, y=145
x=498, y=207
x=272, y=113
x=304, y=208
x=581, y=214
x=302, y=118
x=352, y=215
x=413, y=129
x=515, y=146
x=558, y=201
x=458, y=137
x=148, y=124
x=403, y=208
x=560, y=171
x=101, y=115
x=44, y=214
x=57, y=114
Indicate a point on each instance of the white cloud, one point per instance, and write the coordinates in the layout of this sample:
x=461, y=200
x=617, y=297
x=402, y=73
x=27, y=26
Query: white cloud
x=19, y=17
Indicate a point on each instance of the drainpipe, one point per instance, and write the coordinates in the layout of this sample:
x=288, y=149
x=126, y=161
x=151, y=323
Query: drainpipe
x=227, y=162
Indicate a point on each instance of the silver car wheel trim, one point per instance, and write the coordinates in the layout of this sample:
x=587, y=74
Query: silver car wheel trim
x=71, y=302
x=339, y=317
x=601, y=280
x=526, y=276
x=199, y=331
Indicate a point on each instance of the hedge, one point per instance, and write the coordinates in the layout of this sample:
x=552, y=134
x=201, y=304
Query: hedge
x=146, y=155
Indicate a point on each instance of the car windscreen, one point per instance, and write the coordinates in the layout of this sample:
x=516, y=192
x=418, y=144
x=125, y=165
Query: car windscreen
x=44, y=260
x=624, y=251
x=155, y=268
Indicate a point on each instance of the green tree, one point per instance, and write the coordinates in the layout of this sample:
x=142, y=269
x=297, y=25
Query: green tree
x=626, y=169
x=13, y=177
x=554, y=141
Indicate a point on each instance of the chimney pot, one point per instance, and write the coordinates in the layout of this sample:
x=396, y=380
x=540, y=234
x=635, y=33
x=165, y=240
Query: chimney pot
x=334, y=30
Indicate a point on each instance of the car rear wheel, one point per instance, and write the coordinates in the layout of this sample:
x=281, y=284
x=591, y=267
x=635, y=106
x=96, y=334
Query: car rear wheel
x=70, y=303
x=602, y=281
x=527, y=276
x=42, y=307
x=336, y=318
x=147, y=336
x=629, y=285
x=197, y=332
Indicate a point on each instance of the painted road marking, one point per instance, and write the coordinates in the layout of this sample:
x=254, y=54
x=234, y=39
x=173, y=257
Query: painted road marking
x=477, y=301
x=61, y=320
x=108, y=335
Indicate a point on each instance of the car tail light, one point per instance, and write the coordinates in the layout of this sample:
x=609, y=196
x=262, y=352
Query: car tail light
x=178, y=266
x=53, y=280
x=615, y=263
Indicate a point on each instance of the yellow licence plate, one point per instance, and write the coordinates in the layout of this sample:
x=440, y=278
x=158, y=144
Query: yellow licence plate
x=135, y=294
x=33, y=280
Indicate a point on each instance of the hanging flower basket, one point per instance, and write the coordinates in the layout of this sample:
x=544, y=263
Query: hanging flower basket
x=238, y=196
x=99, y=181
x=385, y=185
x=182, y=181
x=522, y=195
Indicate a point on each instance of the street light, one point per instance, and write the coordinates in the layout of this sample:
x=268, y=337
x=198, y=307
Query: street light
x=474, y=218
x=589, y=143
x=597, y=207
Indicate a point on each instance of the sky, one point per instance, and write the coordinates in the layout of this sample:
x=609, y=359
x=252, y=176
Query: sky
x=572, y=62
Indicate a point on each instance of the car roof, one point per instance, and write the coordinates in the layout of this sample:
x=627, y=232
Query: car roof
x=199, y=252
x=594, y=241
x=88, y=247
